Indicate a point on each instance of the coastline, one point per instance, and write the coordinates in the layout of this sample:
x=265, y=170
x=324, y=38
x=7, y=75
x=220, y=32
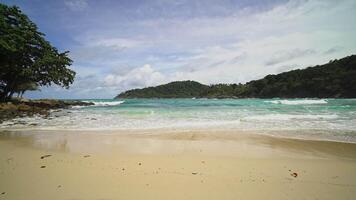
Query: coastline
x=19, y=107
x=180, y=165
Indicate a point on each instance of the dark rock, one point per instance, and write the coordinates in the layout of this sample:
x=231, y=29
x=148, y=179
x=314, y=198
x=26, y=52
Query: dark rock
x=25, y=107
x=45, y=156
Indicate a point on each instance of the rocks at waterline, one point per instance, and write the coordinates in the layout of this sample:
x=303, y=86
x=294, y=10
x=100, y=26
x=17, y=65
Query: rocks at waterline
x=26, y=107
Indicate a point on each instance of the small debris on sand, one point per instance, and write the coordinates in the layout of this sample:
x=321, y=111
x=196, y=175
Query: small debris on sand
x=9, y=160
x=59, y=186
x=294, y=174
x=3, y=193
x=43, y=166
x=123, y=169
x=194, y=173
x=45, y=156
x=86, y=156
x=139, y=163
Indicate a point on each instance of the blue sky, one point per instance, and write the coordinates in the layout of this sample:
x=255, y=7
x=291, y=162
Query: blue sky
x=118, y=45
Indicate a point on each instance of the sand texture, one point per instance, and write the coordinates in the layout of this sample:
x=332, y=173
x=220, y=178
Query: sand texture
x=181, y=165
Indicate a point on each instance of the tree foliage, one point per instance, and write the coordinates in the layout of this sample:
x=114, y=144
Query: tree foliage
x=20, y=89
x=26, y=56
x=336, y=79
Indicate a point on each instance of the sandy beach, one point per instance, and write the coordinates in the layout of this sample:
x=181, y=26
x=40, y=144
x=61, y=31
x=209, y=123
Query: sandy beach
x=177, y=100
x=178, y=165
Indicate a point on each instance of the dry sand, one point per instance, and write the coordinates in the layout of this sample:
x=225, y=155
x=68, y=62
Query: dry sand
x=178, y=165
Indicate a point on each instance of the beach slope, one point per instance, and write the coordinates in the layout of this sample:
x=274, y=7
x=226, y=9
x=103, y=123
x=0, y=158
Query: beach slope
x=181, y=165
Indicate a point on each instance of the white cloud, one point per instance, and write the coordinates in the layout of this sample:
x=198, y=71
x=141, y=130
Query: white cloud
x=136, y=78
x=238, y=47
x=76, y=5
x=289, y=36
x=115, y=42
x=283, y=56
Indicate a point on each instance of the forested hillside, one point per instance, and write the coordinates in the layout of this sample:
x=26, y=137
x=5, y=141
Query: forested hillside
x=336, y=79
x=178, y=89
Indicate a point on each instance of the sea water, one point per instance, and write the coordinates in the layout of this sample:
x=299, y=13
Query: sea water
x=330, y=119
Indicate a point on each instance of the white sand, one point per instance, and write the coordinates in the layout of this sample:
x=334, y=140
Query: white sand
x=189, y=165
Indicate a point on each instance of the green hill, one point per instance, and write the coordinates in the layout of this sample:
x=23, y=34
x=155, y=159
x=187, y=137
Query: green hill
x=336, y=79
x=177, y=89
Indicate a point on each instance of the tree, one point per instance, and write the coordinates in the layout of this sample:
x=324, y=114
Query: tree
x=26, y=56
x=22, y=88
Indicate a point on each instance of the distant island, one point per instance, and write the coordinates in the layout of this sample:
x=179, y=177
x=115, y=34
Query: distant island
x=336, y=79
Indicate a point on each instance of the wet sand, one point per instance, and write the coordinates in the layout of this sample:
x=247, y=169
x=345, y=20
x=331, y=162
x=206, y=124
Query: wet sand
x=176, y=165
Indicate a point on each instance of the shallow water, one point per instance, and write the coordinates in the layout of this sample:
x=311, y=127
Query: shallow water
x=332, y=119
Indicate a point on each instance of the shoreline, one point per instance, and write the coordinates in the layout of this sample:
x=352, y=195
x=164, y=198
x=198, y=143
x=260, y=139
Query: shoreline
x=249, y=139
x=227, y=133
x=29, y=107
x=185, y=165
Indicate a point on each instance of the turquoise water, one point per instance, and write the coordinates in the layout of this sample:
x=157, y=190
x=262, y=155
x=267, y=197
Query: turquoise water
x=333, y=119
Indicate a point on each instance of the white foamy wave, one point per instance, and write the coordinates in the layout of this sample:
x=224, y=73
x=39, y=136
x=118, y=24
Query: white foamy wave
x=78, y=106
x=110, y=103
x=100, y=103
x=284, y=117
x=299, y=102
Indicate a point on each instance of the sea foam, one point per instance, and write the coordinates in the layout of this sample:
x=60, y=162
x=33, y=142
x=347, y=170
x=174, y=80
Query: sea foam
x=111, y=103
x=336, y=116
x=284, y=117
x=299, y=102
x=100, y=103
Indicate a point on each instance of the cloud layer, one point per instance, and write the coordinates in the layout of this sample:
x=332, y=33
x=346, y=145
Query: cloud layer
x=120, y=45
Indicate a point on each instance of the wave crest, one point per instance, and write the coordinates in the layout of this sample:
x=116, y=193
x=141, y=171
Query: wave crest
x=110, y=103
x=283, y=117
x=299, y=102
x=101, y=103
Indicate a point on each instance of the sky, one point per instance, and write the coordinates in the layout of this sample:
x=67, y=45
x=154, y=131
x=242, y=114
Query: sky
x=118, y=45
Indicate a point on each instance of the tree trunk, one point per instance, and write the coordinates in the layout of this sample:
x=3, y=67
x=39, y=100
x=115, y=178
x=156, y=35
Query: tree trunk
x=4, y=95
x=10, y=95
x=8, y=91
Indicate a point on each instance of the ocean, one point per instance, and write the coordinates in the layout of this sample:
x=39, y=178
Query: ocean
x=324, y=119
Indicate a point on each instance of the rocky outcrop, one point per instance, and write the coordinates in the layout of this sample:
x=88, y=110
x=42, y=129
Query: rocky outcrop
x=25, y=107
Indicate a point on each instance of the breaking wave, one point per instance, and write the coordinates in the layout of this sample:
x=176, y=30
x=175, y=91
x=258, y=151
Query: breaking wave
x=284, y=117
x=111, y=103
x=101, y=103
x=299, y=102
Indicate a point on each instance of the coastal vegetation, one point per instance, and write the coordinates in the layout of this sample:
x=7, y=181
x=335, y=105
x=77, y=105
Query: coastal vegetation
x=336, y=79
x=177, y=89
x=28, y=60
